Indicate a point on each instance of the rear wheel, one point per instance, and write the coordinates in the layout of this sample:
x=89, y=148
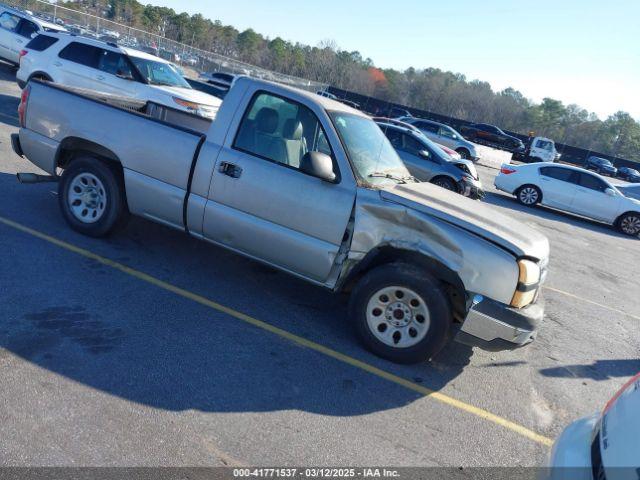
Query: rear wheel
x=401, y=313
x=529, y=195
x=447, y=183
x=629, y=224
x=91, y=197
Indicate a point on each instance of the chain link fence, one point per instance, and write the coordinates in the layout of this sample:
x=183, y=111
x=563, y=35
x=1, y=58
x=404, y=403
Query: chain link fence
x=196, y=63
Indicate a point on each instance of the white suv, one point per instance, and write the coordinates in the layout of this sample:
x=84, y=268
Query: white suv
x=106, y=67
x=17, y=28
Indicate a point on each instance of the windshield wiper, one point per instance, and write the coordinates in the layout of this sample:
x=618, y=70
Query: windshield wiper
x=397, y=178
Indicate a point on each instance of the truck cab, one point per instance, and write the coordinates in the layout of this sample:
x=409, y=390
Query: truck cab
x=538, y=149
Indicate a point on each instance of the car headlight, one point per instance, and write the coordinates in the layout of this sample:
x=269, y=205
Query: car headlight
x=528, y=282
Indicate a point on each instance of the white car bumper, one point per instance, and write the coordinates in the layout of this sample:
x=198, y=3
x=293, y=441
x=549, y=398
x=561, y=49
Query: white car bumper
x=570, y=457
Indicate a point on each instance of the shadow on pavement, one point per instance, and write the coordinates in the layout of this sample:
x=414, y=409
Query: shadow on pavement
x=114, y=333
x=598, y=370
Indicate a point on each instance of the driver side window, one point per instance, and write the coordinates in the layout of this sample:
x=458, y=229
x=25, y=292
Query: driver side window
x=281, y=131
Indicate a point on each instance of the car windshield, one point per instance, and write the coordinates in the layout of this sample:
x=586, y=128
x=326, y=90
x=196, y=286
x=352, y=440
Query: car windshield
x=632, y=191
x=604, y=161
x=373, y=158
x=159, y=73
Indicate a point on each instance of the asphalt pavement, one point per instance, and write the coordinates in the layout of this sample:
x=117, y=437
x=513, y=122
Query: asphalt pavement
x=174, y=359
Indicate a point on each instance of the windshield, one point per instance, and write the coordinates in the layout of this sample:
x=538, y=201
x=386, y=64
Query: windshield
x=159, y=73
x=368, y=149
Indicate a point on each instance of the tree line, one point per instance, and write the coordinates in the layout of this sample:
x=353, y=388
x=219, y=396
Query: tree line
x=431, y=89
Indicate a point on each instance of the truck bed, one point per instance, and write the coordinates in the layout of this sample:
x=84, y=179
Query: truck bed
x=156, y=145
x=152, y=110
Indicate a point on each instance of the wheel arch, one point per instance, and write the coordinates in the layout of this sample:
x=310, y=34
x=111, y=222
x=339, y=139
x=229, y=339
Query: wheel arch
x=386, y=254
x=71, y=147
x=39, y=74
x=617, y=221
x=464, y=149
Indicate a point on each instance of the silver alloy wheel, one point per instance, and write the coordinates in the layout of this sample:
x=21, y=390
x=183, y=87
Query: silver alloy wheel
x=528, y=195
x=86, y=197
x=398, y=317
x=630, y=225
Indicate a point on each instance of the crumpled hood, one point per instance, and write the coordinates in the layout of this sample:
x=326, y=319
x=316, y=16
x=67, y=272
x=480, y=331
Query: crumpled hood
x=473, y=216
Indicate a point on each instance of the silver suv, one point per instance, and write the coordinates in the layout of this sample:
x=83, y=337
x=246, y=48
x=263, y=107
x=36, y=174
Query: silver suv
x=445, y=135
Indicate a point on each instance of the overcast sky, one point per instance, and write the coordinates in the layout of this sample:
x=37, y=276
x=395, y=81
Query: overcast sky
x=578, y=51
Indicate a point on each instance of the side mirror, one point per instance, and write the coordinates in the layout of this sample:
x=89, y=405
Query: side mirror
x=611, y=192
x=424, y=154
x=34, y=35
x=318, y=165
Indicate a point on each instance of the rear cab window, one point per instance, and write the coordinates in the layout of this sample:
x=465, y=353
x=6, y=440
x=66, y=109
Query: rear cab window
x=41, y=43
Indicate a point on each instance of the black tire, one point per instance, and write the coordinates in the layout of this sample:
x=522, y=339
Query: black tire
x=464, y=153
x=446, y=183
x=113, y=208
x=430, y=292
x=529, y=195
x=629, y=224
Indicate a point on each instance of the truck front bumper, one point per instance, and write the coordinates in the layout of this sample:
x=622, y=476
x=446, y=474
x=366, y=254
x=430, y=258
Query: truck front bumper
x=495, y=326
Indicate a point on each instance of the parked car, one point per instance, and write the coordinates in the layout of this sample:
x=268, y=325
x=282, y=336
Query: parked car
x=349, y=103
x=429, y=163
x=307, y=185
x=630, y=191
x=106, y=67
x=221, y=80
x=571, y=189
x=17, y=28
x=538, y=149
x=445, y=135
x=601, y=166
x=628, y=174
x=492, y=136
x=324, y=93
x=603, y=445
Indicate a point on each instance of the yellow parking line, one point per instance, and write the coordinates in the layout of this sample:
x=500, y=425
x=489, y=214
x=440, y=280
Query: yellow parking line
x=341, y=357
x=586, y=300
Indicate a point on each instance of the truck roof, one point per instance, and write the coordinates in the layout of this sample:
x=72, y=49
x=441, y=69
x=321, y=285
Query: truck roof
x=326, y=103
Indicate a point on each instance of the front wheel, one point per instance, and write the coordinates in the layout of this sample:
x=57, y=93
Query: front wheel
x=629, y=224
x=91, y=197
x=401, y=313
x=529, y=195
x=464, y=153
x=446, y=183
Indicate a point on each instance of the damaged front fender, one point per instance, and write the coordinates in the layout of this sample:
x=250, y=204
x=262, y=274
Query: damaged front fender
x=481, y=266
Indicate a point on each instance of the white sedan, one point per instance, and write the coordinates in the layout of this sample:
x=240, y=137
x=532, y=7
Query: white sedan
x=603, y=446
x=571, y=189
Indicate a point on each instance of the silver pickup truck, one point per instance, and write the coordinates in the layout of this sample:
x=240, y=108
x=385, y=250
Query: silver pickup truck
x=307, y=185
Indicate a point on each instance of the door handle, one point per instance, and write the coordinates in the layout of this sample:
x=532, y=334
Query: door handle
x=19, y=41
x=100, y=77
x=544, y=179
x=230, y=169
x=57, y=64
